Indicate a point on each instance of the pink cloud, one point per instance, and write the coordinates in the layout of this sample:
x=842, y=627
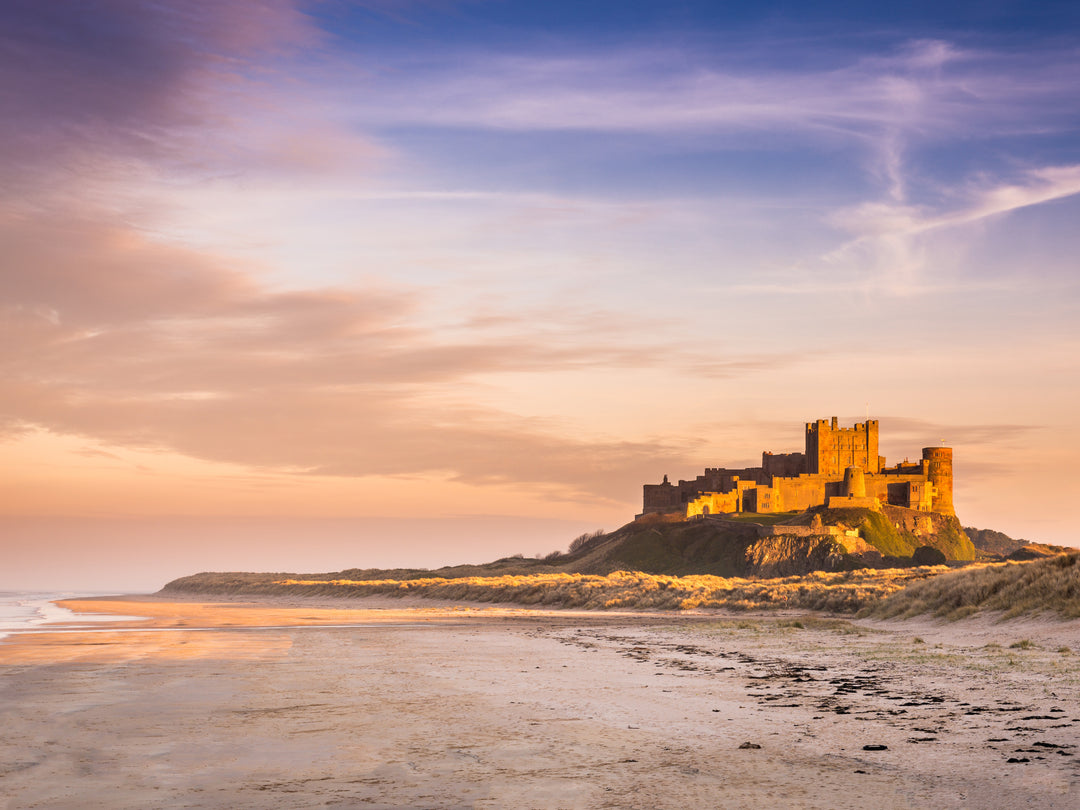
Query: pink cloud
x=94, y=89
x=116, y=337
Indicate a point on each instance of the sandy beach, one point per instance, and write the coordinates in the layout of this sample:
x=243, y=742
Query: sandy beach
x=379, y=703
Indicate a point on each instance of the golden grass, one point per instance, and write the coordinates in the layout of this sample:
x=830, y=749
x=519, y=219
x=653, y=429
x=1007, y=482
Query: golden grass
x=845, y=592
x=1013, y=588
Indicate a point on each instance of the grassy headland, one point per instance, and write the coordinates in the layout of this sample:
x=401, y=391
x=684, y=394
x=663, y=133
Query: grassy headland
x=720, y=563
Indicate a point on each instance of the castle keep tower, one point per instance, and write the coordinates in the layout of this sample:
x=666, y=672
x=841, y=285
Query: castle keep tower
x=830, y=449
x=938, y=461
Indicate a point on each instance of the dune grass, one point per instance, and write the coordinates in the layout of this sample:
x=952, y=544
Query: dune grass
x=845, y=592
x=1012, y=588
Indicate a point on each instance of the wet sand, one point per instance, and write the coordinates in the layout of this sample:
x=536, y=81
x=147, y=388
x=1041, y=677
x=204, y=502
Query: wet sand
x=393, y=703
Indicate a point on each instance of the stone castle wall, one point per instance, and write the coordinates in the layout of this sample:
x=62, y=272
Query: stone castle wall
x=838, y=463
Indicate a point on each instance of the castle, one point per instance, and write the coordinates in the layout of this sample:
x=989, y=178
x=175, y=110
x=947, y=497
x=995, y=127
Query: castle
x=840, y=467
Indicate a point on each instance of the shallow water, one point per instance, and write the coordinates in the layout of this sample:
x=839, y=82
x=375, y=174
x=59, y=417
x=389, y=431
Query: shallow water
x=28, y=610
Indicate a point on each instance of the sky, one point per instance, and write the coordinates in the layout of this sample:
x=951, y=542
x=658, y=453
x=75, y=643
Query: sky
x=306, y=286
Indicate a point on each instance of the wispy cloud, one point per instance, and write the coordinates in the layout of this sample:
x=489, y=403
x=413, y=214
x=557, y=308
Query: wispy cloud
x=922, y=87
x=1034, y=187
x=892, y=251
x=888, y=109
x=906, y=428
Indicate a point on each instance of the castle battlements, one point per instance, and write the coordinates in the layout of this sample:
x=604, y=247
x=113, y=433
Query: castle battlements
x=839, y=467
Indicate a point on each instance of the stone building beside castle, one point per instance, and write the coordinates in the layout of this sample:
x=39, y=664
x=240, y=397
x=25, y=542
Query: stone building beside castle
x=840, y=467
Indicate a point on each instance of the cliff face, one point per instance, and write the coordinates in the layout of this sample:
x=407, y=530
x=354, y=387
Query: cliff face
x=788, y=555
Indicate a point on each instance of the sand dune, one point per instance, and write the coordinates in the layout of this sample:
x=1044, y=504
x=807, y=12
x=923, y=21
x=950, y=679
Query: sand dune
x=1050, y=586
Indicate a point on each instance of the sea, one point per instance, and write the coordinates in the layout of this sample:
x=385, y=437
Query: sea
x=21, y=611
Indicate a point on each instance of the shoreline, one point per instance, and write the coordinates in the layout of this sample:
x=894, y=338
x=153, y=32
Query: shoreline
x=1051, y=627
x=382, y=702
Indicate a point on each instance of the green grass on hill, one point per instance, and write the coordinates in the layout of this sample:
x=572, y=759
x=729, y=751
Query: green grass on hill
x=952, y=540
x=764, y=518
x=694, y=547
x=878, y=531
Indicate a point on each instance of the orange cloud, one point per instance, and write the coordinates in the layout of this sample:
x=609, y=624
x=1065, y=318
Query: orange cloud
x=113, y=336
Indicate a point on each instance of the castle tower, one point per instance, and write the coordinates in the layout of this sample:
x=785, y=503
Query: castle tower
x=831, y=449
x=938, y=461
x=854, y=482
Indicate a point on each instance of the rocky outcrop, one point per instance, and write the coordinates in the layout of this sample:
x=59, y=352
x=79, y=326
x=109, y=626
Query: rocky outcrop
x=785, y=555
x=993, y=542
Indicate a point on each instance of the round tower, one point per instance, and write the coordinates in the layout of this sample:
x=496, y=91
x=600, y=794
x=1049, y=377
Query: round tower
x=939, y=473
x=854, y=482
